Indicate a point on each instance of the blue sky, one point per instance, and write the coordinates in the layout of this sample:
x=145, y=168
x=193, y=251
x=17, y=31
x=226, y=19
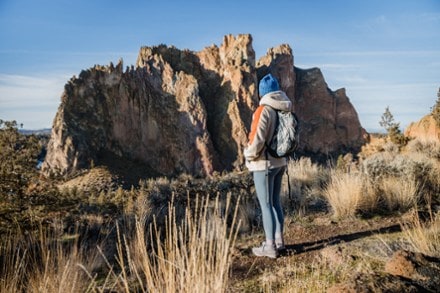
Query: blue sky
x=385, y=53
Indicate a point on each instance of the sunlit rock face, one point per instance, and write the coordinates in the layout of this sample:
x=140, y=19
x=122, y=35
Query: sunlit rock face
x=179, y=111
x=425, y=129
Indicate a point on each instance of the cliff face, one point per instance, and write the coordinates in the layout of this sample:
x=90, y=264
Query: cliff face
x=106, y=111
x=180, y=111
x=329, y=121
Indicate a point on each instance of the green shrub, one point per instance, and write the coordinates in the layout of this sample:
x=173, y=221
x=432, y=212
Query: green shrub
x=397, y=165
x=18, y=159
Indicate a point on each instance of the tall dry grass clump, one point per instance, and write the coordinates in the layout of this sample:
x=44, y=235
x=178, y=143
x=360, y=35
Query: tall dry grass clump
x=45, y=264
x=399, y=193
x=424, y=237
x=348, y=193
x=306, y=172
x=304, y=183
x=194, y=255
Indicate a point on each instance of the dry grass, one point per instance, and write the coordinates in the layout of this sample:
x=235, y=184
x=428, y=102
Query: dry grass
x=351, y=193
x=305, y=181
x=306, y=172
x=426, y=146
x=347, y=193
x=192, y=256
x=316, y=276
x=399, y=193
x=189, y=246
x=424, y=237
x=46, y=264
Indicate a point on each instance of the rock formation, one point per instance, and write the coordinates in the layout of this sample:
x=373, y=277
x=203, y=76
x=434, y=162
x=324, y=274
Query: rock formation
x=328, y=121
x=425, y=129
x=180, y=111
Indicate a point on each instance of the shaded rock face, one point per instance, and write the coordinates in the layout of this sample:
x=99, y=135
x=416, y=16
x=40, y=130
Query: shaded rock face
x=329, y=123
x=180, y=111
x=425, y=129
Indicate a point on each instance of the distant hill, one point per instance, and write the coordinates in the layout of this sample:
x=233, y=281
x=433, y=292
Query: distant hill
x=44, y=131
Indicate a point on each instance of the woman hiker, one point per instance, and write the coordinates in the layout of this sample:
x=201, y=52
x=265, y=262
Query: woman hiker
x=267, y=170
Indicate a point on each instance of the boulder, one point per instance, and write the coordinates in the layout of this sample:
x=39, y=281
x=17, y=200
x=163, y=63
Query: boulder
x=423, y=270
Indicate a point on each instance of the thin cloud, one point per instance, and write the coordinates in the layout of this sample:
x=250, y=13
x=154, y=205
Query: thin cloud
x=21, y=89
x=393, y=86
x=351, y=80
x=426, y=17
x=30, y=100
x=371, y=23
x=330, y=66
x=434, y=64
x=27, y=81
x=69, y=53
x=375, y=53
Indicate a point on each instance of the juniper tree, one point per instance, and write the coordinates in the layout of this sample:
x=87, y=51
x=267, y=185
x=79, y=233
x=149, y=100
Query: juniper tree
x=392, y=127
x=18, y=159
x=436, y=109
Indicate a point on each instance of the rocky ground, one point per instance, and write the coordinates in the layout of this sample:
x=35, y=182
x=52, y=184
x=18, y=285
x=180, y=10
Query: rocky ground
x=351, y=255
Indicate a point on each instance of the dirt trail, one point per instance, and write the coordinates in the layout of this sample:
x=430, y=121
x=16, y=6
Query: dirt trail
x=305, y=240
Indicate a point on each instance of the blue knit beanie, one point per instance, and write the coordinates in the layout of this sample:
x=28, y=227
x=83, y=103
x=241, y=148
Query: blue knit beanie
x=268, y=84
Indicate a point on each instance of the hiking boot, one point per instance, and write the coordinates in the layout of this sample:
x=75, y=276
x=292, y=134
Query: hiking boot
x=265, y=250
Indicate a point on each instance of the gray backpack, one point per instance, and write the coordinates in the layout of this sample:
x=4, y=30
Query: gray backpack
x=285, y=138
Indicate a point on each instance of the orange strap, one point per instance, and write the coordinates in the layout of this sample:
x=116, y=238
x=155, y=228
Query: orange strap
x=255, y=121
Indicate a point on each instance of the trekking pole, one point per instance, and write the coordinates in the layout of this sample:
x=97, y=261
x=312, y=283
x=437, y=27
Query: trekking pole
x=288, y=180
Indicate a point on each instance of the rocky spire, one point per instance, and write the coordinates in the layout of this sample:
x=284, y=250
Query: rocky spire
x=180, y=111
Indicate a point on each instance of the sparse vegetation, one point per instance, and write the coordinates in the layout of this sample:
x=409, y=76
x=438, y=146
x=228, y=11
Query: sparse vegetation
x=177, y=234
x=423, y=236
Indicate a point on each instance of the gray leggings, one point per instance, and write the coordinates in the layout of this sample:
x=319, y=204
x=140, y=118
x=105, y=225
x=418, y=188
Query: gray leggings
x=273, y=217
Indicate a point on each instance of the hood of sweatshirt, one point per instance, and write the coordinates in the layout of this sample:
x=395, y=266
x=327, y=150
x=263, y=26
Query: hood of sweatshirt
x=277, y=100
